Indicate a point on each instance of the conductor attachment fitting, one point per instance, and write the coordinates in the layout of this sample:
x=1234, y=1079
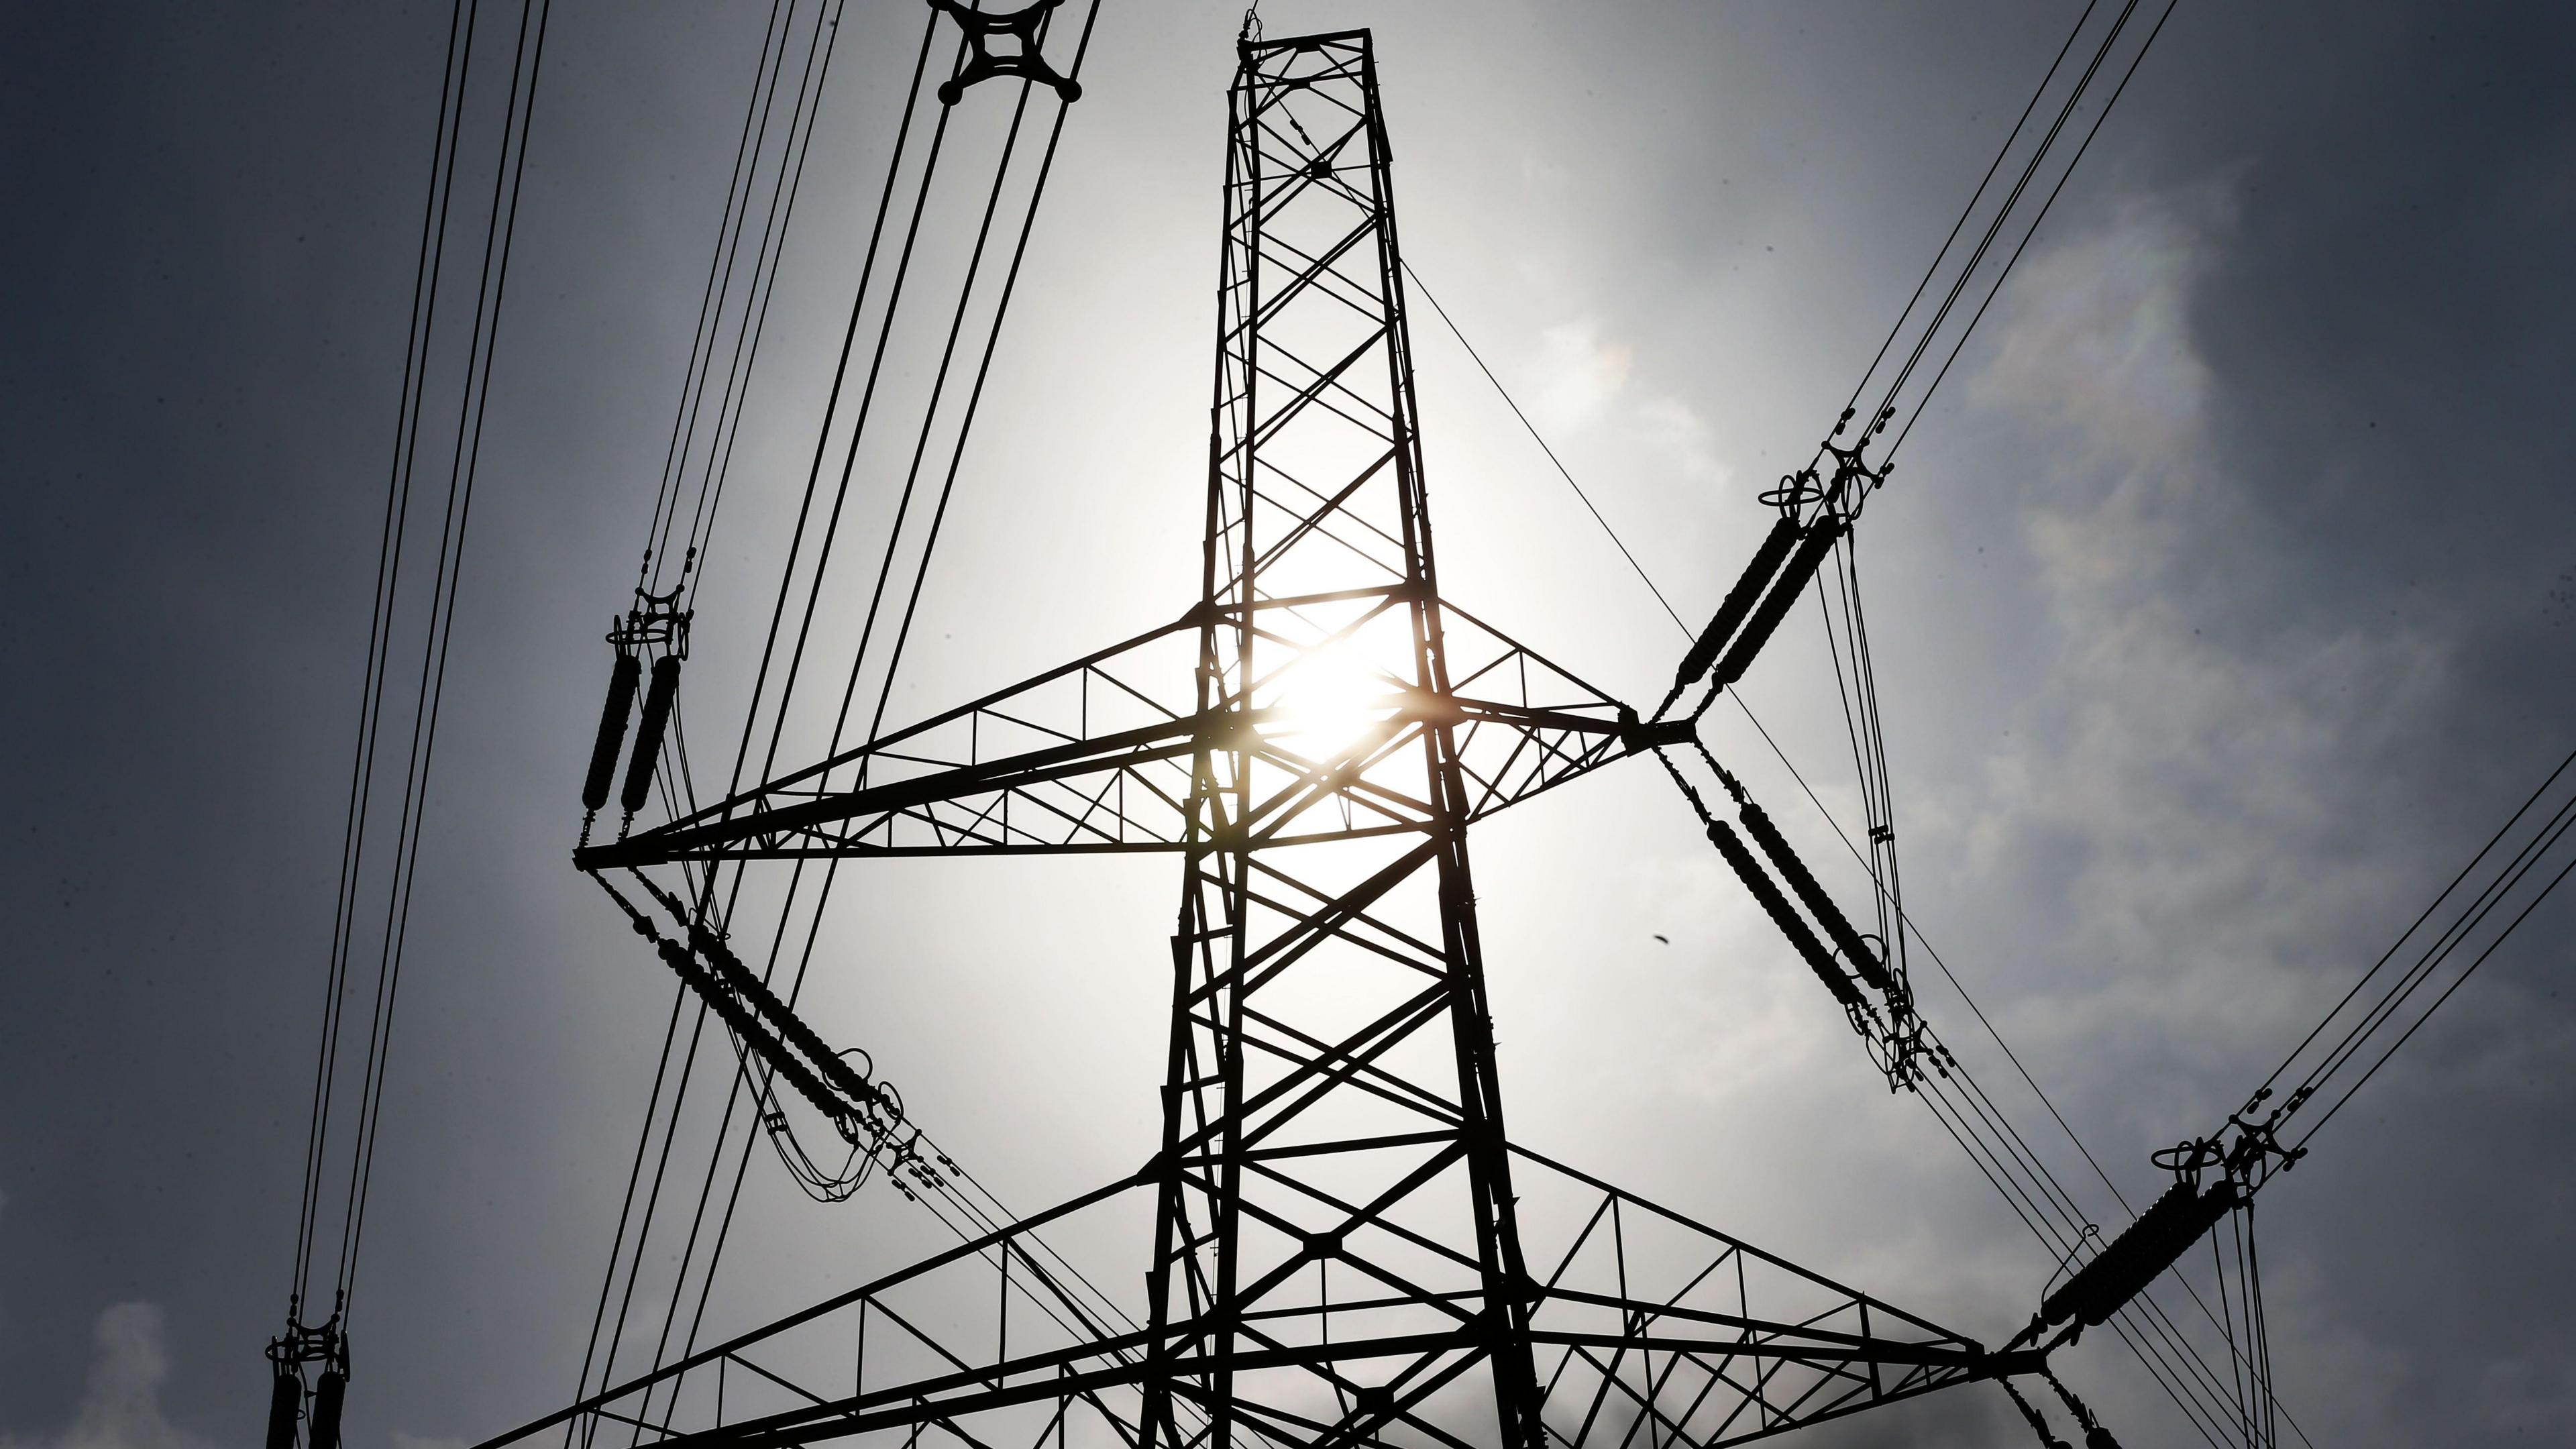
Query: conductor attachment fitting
x=1003, y=45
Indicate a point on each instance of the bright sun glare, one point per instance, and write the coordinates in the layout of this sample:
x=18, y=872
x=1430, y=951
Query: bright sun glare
x=1327, y=699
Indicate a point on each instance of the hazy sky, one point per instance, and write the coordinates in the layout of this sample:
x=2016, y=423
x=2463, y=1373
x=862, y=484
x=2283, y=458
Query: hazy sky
x=2223, y=607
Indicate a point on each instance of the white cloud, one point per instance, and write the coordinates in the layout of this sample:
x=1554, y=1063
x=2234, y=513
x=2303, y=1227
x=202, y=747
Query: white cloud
x=2192, y=765
x=1580, y=375
x=121, y=1405
x=2187, y=809
x=1682, y=436
x=2098, y=329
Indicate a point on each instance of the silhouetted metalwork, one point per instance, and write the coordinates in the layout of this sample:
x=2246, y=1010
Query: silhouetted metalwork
x=1345, y=1248
x=289, y=1353
x=1020, y=33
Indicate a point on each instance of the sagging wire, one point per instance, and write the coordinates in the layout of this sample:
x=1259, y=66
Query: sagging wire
x=709, y=326
x=2168, y=1357
x=1962, y=1108
x=668, y=610
x=964, y=1210
x=988, y=1214
x=327, y=1343
x=894, y=537
x=428, y=269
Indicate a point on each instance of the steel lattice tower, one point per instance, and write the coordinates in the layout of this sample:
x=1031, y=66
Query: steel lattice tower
x=1332, y=1090
x=1338, y=1251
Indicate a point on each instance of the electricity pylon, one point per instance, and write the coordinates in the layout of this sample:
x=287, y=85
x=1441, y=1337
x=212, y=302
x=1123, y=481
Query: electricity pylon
x=1345, y=1247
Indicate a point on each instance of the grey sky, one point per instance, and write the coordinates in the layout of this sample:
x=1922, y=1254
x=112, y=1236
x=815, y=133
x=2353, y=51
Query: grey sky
x=2222, y=606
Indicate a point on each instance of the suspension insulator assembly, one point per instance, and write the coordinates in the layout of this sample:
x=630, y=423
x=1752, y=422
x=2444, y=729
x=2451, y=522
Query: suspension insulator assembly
x=2096, y=1434
x=1838, y=927
x=648, y=734
x=2131, y=1261
x=1739, y=602
x=622, y=681
x=857, y=1106
x=828, y=1064
x=285, y=1405
x=1783, y=915
x=2030, y=1415
x=328, y=1397
x=1820, y=539
x=753, y=1032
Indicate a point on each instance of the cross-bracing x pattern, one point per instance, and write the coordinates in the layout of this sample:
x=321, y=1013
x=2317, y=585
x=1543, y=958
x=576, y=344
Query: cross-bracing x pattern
x=1331, y=1104
x=1338, y=1224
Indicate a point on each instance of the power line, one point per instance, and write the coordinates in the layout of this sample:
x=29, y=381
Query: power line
x=1897, y=328
x=652, y=1113
x=2032, y=230
x=1445, y=319
x=462, y=475
x=750, y=1074
x=965, y=428
x=426, y=272
x=2526, y=862
x=326, y=1343
x=702, y=335
x=1906, y=921
x=2003, y=212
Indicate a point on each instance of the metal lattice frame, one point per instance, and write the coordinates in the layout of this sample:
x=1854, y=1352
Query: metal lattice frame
x=1345, y=1249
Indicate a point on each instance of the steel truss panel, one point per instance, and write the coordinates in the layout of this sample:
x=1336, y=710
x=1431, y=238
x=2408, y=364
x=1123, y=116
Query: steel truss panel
x=1344, y=1250
x=1647, y=1329
x=1330, y=1105
x=1098, y=755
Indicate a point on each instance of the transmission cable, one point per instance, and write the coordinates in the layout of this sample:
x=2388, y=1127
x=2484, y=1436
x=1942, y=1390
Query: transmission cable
x=675, y=779
x=780, y=221
x=768, y=256
x=1001, y=310
x=438, y=635
x=1906, y=922
x=702, y=334
x=2010, y=1156
x=1897, y=328
x=425, y=277
x=822, y=446
x=618, y=1246
x=983, y=372
x=2527, y=861
x=2151, y=1309
x=462, y=475
x=327, y=1342
x=2012, y=198
x=795, y=668
x=436, y=672
x=2418, y=923
x=1475, y=357
x=2032, y=231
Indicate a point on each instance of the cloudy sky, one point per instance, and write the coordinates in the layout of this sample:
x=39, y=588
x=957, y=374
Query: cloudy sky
x=2227, y=601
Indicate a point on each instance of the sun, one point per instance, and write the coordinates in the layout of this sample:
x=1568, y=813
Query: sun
x=1327, y=699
